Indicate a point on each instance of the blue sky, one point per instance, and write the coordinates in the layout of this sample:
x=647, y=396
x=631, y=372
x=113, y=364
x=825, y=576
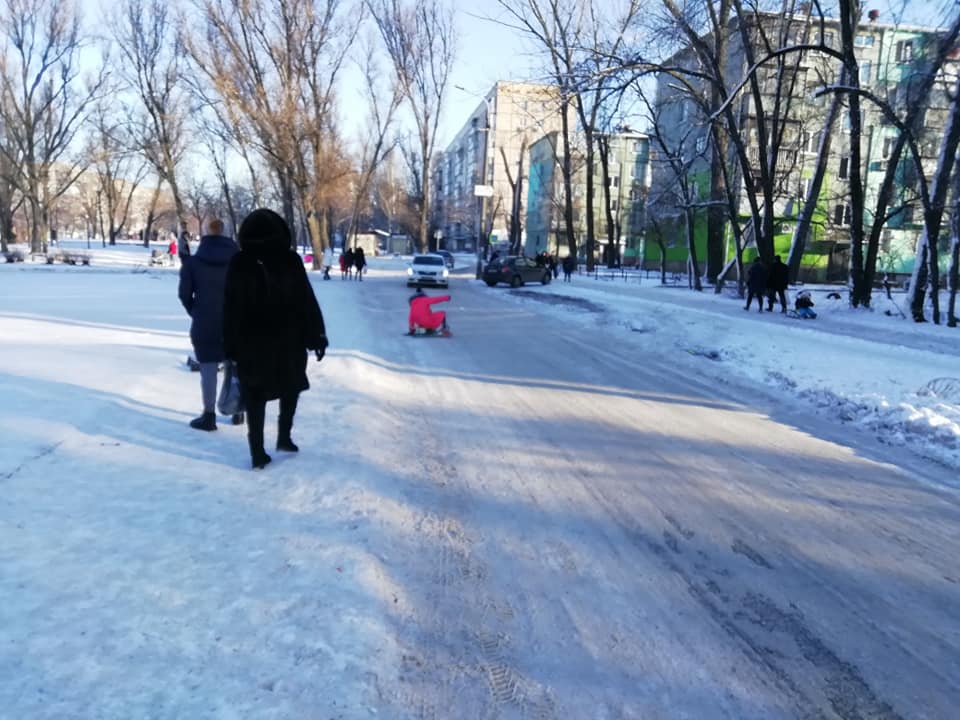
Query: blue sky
x=489, y=51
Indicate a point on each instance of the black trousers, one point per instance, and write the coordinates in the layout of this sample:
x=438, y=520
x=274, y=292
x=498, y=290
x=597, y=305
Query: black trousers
x=771, y=294
x=256, y=408
x=751, y=295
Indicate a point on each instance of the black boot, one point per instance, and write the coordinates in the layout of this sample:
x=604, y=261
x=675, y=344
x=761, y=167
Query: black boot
x=287, y=445
x=288, y=406
x=259, y=460
x=258, y=457
x=237, y=419
x=207, y=421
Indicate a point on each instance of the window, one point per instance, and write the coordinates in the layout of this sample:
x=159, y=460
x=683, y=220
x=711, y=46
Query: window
x=904, y=51
x=614, y=205
x=805, y=185
x=811, y=142
x=844, y=172
x=701, y=144
x=828, y=38
x=888, y=143
x=615, y=181
x=865, y=68
x=864, y=40
x=908, y=214
x=842, y=214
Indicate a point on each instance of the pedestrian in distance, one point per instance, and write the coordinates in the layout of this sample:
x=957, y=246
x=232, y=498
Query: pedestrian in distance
x=348, y=261
x=327, y=261
x=359, y=262
x=202, y=281
x=343, y=266
x=554, y=266
x=172, y=250
x=777, y=277
x=271, y=320
x=569, y=265
x=756, y=283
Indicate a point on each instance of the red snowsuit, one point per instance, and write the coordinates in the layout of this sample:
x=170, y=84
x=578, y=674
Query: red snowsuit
x=422, y=316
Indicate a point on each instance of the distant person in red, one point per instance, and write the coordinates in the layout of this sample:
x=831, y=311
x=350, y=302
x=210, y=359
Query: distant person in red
x=172, y=250
x=422, y=316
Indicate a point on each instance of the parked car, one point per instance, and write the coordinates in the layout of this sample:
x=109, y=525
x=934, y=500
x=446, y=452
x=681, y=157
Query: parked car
x=447, y=258
x=515, y=270
x=429, y=270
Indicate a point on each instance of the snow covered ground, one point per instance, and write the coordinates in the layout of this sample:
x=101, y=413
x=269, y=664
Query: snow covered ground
x=469, y=541
x=894, y=378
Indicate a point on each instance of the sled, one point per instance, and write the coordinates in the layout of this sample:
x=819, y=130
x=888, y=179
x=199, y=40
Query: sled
x=421, y=332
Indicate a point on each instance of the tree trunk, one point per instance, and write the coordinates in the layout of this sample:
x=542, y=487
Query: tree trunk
x=567, y=179
x=849, y=20
x=933, y=212
x=603, y=145
x=954, y=272
x=802, y=230
x=591, y=237
x=692, y=249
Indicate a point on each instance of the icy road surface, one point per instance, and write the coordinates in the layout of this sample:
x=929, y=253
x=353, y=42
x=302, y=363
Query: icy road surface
x=532, y=519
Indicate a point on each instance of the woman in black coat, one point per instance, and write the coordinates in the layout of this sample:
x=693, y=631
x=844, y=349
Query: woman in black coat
x=271, y=319
x=359, y=261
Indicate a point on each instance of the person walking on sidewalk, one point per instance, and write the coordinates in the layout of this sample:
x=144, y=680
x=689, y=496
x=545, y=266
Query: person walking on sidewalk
x=348, y=262
x=756, y=283
x=202, y=280
x=569, y=265
x=777, y=277
x=271, y=319
x=359, y=262
x=327, y=261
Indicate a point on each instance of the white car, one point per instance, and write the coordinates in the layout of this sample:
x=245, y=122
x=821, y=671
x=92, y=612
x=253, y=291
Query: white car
x=430, y=270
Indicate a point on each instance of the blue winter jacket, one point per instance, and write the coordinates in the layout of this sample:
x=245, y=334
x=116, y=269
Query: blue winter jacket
x=202, y=279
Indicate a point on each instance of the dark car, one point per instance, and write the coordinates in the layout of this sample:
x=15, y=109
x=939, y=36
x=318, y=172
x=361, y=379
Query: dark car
x=515, y=270
x=447, y=258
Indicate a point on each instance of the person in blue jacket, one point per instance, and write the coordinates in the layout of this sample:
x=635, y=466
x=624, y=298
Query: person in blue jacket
x=202, y=281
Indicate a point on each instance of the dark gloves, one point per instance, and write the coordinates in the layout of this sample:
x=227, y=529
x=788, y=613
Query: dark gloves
x=321, y=350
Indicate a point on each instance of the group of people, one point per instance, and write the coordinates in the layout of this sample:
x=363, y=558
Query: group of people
x=250, y=303
x=771, y=283
x=352, y=259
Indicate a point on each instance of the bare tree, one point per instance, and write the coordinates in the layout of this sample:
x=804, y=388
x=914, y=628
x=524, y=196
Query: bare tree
x=152, y=64
x=953, y=275
x=42, y=103
x=375, y=146
x=8, y=190
x=420, y=40
x=119, y=167
x=516, y=196
x=273, y=67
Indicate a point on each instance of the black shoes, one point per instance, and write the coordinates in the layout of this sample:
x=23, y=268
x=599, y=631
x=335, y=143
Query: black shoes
x=207, y=422
x=237, y=419
x=259, y=460
x=287, y=445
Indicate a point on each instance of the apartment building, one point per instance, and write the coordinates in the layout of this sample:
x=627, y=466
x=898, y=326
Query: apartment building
x=490, y=149
x=890, y=58
x=628, y=163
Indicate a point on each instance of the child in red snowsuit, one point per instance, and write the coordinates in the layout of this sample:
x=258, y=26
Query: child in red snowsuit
x=422, y=316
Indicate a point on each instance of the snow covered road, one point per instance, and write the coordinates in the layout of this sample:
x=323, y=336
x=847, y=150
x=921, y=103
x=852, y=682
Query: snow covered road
x=532, y=519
